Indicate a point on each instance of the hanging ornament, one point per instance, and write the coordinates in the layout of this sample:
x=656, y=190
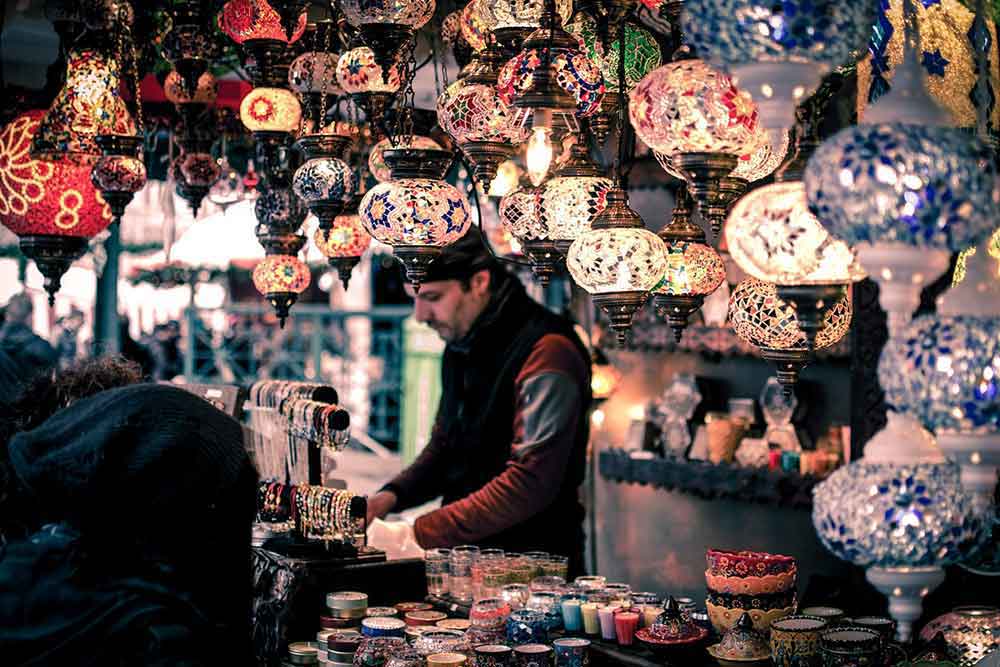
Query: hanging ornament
x=520, y=214
x=950, y=36
x=694, y=114
x=479, y=120
x=376, y=158
x=762, y=319
x=386, y=26
x=772, y=235
x=52, y=206
x=694, y=269
x=618, y=261
x=120, y=171
x=189, y=46
x=175, y=91
x=281, y=279
x=89, y=104
x=549, y=83
x=345, y=242
x=417, y=212
x=364, y=80
x=778, y=53
x=904, y=188
x=324, y=181
x=257, y=21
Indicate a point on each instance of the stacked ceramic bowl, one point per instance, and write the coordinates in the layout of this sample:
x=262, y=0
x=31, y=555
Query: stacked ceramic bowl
x=760, y=584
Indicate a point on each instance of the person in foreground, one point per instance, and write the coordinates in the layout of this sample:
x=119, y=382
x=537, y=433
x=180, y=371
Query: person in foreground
x=508, y=445
x=141, y=499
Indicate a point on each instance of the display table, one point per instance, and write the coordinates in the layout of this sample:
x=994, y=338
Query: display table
x=289, y=593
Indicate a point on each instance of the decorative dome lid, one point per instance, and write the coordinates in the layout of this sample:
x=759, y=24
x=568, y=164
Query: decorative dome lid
x=903, y=440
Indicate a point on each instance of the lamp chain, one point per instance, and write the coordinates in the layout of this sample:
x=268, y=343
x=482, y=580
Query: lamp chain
x=979, y=32
x=131, y=54
x=327, y=78
x=622, y=106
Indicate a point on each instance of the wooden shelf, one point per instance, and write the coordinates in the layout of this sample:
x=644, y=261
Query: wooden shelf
x=708, y=480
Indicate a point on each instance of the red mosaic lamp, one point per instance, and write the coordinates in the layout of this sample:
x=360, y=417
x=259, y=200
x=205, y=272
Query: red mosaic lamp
x=281, y=278
x=52, y=206
x=345, y=242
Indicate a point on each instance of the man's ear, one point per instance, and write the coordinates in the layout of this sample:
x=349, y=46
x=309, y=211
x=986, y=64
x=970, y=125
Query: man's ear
x=480, y=281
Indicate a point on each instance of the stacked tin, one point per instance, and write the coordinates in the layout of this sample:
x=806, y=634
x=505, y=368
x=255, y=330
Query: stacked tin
x=345, y=609
x=337, y=647
x=303, y=654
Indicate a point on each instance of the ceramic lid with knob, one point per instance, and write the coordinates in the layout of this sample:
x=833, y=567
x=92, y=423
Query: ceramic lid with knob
x=742, y=643
x=671, y=627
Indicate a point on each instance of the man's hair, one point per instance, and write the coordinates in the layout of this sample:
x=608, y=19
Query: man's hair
x=19, y=308
x=463, y=259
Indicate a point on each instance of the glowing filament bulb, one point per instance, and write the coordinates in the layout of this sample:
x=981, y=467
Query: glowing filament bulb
x=538, y=156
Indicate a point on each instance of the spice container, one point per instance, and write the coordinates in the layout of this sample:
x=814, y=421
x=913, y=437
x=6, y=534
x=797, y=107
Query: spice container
x=533, y=655
x=435, y=640
x=381, y=626
x=303, y=653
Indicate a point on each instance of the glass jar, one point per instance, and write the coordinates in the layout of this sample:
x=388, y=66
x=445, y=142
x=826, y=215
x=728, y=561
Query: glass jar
x=621, y=594
x=460, y=572
x=547, y=583
x=486, y=558
x=556, y=566
x=436, y=563
x=547, y=603
x=441, y=641
x=489, y=613
x=526, y=626
x=494, y=578
x=591, y=582
x=536, y=558
x=521, y=570
x=516, y=595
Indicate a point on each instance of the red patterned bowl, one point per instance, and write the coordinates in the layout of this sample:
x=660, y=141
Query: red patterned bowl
x=771, y=583
x=747, y=563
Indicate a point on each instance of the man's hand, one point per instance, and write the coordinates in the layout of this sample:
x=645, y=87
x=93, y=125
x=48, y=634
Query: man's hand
x=380, y=504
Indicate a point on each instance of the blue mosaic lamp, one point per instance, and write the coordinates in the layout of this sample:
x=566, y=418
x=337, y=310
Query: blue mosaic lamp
x=906, y=188
x=900, y=513
x=778, y=52
x=324, y=182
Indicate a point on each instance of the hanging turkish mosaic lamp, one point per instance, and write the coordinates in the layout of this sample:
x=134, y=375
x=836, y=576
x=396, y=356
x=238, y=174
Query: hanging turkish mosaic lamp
x=361, y=77
x=417, y=212
x=520, y=214
x=575, y=196
x=772, y=235
x=204, y=92
x=905, y=188
x=189, y=45
x=52, y=206
x=693, y=268
x=313, y=76
x=88, y=104
x=386, y=26
x=550, y=82
x=324, y=181
x=952, y=38
x=761, y=318
x=120, y=171
x=281, y=279
x=512, y=21
x=257, y=20
x=642, y=56
x=377, y=165
x=695, y=114
x=778, y=53
x=618, y=261
x=476, y=24
x=345, y=242
x=479, y=120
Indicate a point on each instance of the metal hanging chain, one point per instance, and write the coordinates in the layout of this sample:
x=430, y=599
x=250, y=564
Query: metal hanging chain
x=127, y=53
x=325, y=84
x=981, y=95
x=622, y=106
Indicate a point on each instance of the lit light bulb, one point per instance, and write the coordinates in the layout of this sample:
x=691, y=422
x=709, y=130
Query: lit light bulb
x=538, y=156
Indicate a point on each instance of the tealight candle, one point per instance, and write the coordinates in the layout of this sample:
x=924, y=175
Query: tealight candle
x=625, y=625
x=590, y=618
x=606, y=615
x=572, y=617
x=649, y=615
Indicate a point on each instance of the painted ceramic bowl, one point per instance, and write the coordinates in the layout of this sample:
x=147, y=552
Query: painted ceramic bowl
x=771, y=583
x=723, y=618
x=673, y=633
x=768, y=601
x=747, y=563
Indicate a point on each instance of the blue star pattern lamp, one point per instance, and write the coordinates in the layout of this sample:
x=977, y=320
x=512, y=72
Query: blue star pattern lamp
x=950, y=35
x=906, y=188
x=778, y=52
x=900, y=513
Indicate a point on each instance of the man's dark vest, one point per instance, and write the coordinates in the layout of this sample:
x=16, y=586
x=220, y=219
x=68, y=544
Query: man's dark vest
x=477, y=415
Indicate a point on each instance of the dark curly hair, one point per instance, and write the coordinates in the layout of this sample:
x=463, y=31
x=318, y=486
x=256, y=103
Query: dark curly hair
x=39, y=400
